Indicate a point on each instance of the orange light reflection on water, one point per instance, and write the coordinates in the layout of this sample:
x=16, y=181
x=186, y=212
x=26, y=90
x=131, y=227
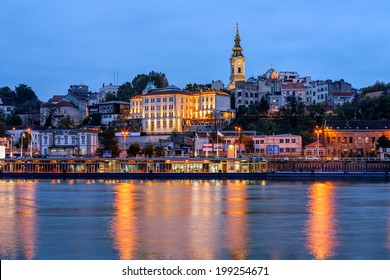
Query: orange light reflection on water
x=236, y=215
x=321, y=232
x=18, y=219
x=124, y=224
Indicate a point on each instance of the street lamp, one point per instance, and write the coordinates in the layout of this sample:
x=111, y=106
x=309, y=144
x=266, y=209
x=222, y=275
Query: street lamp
x=124, y=134
x=12, y=142
x=29, y=132
x=21, y=145
x=318, y=131
x=239, y=139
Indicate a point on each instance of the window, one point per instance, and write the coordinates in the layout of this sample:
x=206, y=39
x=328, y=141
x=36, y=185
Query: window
x=293, y=141
x=350, y=140
x=152, y=100
x=164, y=99
x=257, y=142
x=287, y=141
x=146, y=100
x=261, y=141
x=158, y=99
x=281, y=150
x=281, y=140
x=170, y=99
x=239, y=93
x=239, y=69
x=170, y=123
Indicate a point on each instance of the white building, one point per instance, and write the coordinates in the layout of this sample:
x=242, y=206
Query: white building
x=100, y=96
x=60, y=110
x=68, y=143
x=7, y=106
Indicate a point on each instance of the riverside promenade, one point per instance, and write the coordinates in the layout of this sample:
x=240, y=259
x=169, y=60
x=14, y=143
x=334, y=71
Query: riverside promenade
x=193, y=168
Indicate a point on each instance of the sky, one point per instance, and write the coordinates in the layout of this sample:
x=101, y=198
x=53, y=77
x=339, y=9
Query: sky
x=50, y=45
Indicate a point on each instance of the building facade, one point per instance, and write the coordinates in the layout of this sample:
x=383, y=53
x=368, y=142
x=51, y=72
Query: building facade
x=68, y=143
x=353, y=138
x=164, y=110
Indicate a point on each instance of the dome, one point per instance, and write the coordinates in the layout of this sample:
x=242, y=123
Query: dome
x=272, y=74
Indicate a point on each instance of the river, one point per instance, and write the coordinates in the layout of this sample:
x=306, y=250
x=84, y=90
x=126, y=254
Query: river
x=194, y=219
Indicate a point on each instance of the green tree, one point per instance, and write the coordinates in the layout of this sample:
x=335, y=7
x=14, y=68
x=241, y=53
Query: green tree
x=110, y=97
x=13, y=120
x=159, y=151
x=24, y=93
x=66, y=122
x=125, y=92
x=263, y=106
x=213, y=137
x=247, y=141
x=383, y=142
x=133, y=150
x=141, y=80
x=7, y=92
x=148, y=150
x=96, y=119
x=2, y=129
x=108, y=141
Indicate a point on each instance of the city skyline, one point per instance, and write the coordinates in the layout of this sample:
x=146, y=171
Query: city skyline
x=51, y=47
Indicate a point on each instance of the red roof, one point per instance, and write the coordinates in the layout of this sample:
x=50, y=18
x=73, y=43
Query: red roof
x=56, y=98
x=374, y=94
x=293, y=86
x=343, y=93
x=314, y=145
x=59, y=104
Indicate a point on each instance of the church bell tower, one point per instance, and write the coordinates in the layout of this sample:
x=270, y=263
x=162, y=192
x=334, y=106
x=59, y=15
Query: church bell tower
x=237, y=63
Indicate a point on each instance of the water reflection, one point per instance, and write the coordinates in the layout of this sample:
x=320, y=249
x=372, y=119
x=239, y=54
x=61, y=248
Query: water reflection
x=124, y=224
x=204, y=226
x=321, y=232
x=236, y=219
x=18, y=220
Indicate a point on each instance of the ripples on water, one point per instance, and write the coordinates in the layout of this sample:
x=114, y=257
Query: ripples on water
x=87, y=219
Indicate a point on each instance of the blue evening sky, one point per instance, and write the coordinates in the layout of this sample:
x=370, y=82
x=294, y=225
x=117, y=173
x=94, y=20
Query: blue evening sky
x=50, y=45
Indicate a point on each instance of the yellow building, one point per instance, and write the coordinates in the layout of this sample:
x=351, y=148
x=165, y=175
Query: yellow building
x=164, y=110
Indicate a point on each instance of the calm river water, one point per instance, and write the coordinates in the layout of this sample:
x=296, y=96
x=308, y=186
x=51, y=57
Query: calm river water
x=87, y=219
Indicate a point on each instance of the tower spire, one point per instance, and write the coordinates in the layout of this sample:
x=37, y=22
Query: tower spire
x=237, y=49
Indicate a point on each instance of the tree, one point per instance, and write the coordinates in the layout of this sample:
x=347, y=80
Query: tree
x=383, y=142
x=2, y=129
x=110, y=97
x=247, y=141
x=7, y=92
x=66, y=122
x=159, y=151
x=125, y=92
x=13, y=120
x=263, y=106
x=108, y=141
x=96, y=119
x=148, y=150
x=141, y=80
x=24, y=93
x=133, y=150
x=213, y=137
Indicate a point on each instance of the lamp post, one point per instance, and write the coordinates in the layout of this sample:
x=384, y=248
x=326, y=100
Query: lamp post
x=318, y=131
x=21, y=145
x=12, y=142
x=239, y=139
x=124, y=134
x=29, y=132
